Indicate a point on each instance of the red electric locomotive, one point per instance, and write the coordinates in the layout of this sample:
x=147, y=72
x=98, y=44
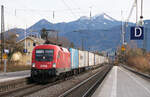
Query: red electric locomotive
x=49, y=61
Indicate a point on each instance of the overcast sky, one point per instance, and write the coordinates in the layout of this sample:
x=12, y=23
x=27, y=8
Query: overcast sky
x=24, y=13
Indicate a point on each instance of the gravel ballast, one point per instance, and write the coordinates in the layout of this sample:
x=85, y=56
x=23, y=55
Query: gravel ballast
x=56, y=90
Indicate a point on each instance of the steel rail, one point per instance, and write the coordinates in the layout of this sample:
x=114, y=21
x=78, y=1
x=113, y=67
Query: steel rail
x=85, y=81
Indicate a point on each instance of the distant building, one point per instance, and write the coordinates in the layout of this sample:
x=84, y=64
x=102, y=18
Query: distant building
x=29, y=43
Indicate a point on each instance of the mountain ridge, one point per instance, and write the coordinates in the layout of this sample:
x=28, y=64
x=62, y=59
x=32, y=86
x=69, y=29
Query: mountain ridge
x=101, y=31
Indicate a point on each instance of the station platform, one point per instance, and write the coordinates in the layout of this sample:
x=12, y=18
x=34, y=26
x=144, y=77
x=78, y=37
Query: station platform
x=14, y=75
x=123, y=83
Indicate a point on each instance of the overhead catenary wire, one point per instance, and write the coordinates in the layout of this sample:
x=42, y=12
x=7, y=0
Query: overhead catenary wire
x=136, y=3
x=131, y=11
x=22, y=14
x=81, y=11
x=42, y=10
x=74, y=15
x=141, y=8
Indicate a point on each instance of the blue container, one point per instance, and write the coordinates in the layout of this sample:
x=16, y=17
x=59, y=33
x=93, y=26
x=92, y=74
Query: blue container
x=74, y=58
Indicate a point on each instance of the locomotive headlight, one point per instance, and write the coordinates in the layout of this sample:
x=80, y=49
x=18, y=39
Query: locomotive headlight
x=54, y=65
x=33, y=64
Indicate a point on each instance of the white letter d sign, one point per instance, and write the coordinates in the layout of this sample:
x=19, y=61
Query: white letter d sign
x=138, y=32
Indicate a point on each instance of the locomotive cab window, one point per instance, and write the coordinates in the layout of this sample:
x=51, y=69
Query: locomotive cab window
x=44, y=55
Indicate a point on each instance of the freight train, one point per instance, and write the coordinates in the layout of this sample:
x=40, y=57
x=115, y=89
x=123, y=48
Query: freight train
x=51, y=60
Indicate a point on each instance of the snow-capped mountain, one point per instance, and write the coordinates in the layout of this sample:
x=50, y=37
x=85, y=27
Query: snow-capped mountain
x=96, y=22
x=84, y=18
x=101, y=32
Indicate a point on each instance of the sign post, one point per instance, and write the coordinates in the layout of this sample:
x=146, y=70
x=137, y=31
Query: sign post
x=5, y=65
x=5, y=62
x=25, y=51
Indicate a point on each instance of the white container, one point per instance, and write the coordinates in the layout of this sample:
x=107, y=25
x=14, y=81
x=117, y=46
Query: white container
x=81, y=59
x=91, y=59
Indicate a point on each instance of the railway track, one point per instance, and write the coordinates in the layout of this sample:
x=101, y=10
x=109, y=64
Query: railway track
x=12, y=84
x=87, y=87
x=30, y=88
x=34, y=87
x=27, y=90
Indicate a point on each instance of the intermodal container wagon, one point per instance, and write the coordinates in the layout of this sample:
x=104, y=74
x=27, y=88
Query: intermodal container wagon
x=81, y=59
x=86, y=59
x=91, y=59
x=74, y=58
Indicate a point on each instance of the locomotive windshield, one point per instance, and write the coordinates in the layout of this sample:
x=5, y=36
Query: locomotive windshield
x=44, y=55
